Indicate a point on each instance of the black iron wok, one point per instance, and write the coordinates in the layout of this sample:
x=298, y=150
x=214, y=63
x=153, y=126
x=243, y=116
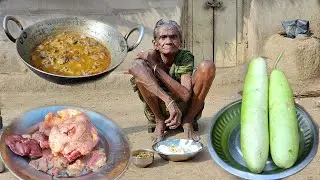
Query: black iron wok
x=103, y=32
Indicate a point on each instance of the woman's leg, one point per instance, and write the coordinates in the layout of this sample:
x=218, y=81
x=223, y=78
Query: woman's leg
x=203, y=79
x=141, y=68
x=153, y=103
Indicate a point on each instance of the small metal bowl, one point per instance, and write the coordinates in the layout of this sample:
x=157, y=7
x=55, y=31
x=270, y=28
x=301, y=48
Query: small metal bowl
x=224, y=144
x=192, y=149
x=142, y=161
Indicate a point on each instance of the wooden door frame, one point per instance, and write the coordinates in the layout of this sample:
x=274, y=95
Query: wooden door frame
x=241, y=35
x=188, y=34
x=186, y=24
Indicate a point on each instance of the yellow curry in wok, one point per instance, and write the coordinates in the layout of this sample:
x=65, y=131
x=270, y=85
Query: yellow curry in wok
x=71, y=54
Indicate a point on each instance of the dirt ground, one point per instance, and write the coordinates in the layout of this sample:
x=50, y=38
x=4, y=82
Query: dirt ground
x=130, y=117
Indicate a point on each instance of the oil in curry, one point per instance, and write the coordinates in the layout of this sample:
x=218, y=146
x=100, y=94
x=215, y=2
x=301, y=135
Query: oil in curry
x=71, y=54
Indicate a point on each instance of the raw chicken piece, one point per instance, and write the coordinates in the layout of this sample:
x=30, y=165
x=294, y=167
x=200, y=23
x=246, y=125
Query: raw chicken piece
x=55, y=171
x=74, y=137
x=51, y=119
x=40, y=164
x=97, y=160
x=60, y=162
x=41, y=138
x=27, y=136
x=44, y=163
x=76, y=168
x=59, y=165
x=48, y=161
x=68, y=113
x=23, y=146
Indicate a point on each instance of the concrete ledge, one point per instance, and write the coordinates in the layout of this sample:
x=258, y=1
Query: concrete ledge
x=11, y=62
x=30, y=82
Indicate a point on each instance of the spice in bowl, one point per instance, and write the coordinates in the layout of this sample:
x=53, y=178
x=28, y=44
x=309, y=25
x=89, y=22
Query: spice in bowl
x=143, y=154
x=142, y=158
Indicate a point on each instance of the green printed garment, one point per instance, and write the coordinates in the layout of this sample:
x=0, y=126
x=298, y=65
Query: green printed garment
x=183, y=63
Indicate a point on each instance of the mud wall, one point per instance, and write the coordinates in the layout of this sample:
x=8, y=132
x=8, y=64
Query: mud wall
x=301, y=58
x=266, y=16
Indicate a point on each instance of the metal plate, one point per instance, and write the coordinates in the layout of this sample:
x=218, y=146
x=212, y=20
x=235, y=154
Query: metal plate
x=224, y=144
x=112, y=138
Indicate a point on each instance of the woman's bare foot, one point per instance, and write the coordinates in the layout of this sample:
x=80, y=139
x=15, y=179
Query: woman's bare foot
x=160, y=128
x=159, y=131
x=189, y=132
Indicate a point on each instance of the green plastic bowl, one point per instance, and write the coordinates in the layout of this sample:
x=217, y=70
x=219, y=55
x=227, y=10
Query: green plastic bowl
x=224, y=144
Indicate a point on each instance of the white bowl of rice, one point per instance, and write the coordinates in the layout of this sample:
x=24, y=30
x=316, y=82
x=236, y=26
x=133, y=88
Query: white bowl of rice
x=178, y=149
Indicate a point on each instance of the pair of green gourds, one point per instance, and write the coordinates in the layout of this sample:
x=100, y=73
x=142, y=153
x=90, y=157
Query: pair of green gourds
x=268, y=118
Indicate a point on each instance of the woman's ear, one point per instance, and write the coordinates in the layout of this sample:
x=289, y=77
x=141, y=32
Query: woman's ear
x=155, y=45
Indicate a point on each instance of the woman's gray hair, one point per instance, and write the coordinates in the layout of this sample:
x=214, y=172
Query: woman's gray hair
x=169, y=23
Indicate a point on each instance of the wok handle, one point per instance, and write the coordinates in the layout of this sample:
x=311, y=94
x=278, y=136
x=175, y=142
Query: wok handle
x=5, y=26
x=141, y=31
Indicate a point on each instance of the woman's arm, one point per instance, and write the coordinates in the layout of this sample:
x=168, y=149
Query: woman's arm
x=183, y=90
x=144, y=75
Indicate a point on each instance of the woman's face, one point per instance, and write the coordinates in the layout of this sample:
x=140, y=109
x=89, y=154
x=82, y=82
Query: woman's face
x=168, y=40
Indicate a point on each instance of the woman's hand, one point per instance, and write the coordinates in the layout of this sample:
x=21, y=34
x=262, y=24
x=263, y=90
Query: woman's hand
x=143, y=55
x=150, y=56
x=175, y=115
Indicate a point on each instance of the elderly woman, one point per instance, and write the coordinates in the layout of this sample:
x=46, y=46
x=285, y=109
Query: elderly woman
x=167, y=82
